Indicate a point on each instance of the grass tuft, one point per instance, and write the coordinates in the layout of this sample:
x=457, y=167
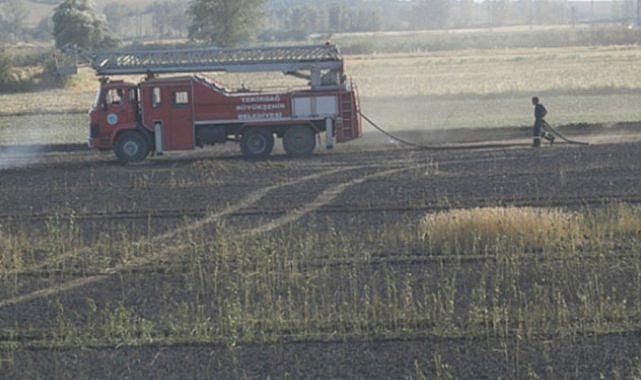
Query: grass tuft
x=474, y=230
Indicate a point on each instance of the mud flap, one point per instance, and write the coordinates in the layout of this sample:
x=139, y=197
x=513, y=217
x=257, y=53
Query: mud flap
x=329, y=133
x=158, y=140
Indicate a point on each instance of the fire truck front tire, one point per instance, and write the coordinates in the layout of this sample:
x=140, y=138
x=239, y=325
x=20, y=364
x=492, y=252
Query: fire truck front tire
x=257, y=143
x=131, y=147
x=299, y=141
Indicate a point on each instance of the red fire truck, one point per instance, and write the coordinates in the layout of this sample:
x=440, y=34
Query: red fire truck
x=166, y=113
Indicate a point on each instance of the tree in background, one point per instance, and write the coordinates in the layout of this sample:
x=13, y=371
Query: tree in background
x=117, y=14
x=430, y=14
x=498, y=11
x=466, y=11
x=44, y=30
x=6, y=68
x=76, y=22
x=353, y=18
x=305, y=18
x=338, y=18
x=224, y=22
x=169, y=18
x=13, y=14
x=299, y=19
x=366, y=20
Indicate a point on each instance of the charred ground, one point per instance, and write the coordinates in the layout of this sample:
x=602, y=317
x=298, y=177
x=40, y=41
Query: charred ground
x=150, y=270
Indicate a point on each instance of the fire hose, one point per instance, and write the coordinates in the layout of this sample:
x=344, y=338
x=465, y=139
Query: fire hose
x=460, y=147
x=567, y=140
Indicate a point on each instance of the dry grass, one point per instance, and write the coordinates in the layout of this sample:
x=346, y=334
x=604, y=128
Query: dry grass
x=484, y=72
x=492, y=88
x=618, y=221
x=477, y=229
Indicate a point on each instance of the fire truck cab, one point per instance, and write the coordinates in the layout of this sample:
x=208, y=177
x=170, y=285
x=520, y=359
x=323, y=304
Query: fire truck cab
x=162, y=114
x=114, y=111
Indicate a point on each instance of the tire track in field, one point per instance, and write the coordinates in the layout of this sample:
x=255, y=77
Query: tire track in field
x=253, y=197
x=321, y=200
x=246, y=202
x=324, y=198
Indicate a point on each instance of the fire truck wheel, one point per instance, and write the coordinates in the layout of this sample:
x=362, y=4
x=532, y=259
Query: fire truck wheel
x=131, y=147
x=257, y=143
x=299, y=141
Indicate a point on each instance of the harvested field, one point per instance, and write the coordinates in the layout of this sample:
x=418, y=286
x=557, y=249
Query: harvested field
x=204, y=265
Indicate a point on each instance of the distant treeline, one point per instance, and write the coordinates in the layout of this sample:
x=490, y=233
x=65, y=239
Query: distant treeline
x=498, y=38
x=297, y=18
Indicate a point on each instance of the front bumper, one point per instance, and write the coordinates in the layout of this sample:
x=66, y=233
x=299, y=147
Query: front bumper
x=96, y=140
x=99, y=143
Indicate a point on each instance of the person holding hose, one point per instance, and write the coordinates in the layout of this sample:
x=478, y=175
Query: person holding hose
x=539, y=123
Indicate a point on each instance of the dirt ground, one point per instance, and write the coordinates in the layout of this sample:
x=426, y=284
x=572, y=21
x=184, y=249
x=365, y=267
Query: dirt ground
x=364, y=185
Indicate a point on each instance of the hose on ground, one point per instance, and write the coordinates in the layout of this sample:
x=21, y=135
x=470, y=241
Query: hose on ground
x=435, y=147
x=567, y=140
x=459, y=147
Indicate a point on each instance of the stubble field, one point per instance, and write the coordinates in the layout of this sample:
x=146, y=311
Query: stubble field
x=368, y=261
x=205, y=265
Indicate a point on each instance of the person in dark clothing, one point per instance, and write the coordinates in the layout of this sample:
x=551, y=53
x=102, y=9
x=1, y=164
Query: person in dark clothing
x=539, y=123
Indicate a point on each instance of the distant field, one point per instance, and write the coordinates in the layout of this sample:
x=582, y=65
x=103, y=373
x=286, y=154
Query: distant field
x=491, y=72
x=434, y=113
x=438, y=90
x=493, y=88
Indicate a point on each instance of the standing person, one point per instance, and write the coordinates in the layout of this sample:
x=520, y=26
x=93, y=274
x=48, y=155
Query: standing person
x=539, y=122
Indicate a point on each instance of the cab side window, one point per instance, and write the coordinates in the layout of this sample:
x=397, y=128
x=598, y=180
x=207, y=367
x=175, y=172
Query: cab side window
x=181, y=98
x=155, y=97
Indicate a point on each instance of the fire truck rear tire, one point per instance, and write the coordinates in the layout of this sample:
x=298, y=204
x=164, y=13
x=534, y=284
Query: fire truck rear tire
x=257, y=143
x=131, y=147
x=299, y=141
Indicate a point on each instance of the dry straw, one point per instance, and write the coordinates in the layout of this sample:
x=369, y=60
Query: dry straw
x=475, y=230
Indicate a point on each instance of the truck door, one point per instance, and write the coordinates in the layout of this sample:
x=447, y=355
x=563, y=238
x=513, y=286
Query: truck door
x=179, y=131
x=119, y=106
x=171, y=106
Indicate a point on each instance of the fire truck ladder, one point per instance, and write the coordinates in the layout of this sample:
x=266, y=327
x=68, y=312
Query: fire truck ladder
x=350, y=111
x=321, y=64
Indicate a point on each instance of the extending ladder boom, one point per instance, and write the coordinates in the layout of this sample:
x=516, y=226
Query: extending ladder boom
x=289, y=59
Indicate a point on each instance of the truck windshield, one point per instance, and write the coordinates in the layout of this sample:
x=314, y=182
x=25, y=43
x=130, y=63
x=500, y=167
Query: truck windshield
x=116, y=96
x=95, y=102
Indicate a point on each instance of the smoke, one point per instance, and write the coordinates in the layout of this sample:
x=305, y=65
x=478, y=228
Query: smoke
x=23, y=139
x=12, y=157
